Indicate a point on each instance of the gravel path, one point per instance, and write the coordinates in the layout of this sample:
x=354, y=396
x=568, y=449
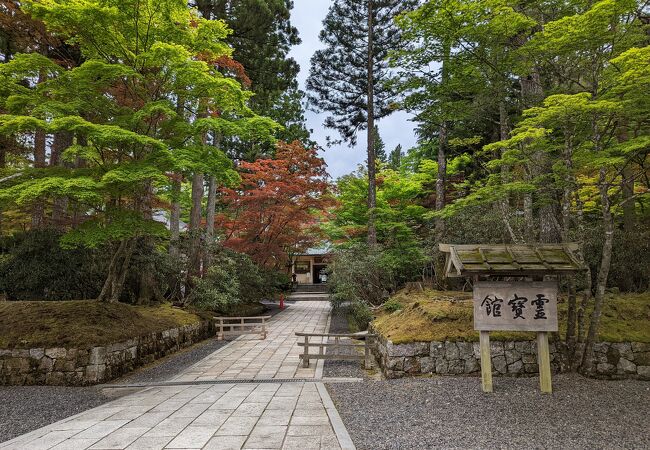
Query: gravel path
x=452, y=412
x=342, y=369
x=26, y=408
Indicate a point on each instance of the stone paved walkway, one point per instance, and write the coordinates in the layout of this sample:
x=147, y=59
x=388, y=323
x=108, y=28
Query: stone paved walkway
x=208, y=410
x=277, y=356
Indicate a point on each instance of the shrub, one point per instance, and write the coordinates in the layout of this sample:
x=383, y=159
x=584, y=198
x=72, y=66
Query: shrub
x=371, y=274
x=234, y=279
x=392, y=305
x=361, y=315
x=33, y=266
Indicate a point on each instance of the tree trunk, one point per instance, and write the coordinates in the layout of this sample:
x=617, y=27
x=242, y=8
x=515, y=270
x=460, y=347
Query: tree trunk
x=443, y=133
x=195, y=225
x=4, y=148
x=62, y=140
x=117, y=270
x=211, y=207
x=212, y=197
x=629, y=213
x=603, y=271
x=39, y=162
x=504, y=204
x=586, y=293
x=175, y=218
x=372, y=167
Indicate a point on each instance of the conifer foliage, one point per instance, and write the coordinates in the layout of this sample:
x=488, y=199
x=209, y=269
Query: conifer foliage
x=348, y=77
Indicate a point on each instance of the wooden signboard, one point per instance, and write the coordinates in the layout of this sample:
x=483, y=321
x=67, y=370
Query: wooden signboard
x=516, y=306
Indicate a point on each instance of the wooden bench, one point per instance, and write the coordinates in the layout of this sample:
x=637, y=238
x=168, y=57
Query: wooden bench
x=237, y=326
x=306, y=356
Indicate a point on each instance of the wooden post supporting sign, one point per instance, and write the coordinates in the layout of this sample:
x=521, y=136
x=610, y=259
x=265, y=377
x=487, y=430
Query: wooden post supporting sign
x=544, y=362
x=516, y=306
x=486, y=361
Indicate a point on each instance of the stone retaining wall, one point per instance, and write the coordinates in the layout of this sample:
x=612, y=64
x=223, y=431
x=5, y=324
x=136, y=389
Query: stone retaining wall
x=84, y=366
x=613, y=360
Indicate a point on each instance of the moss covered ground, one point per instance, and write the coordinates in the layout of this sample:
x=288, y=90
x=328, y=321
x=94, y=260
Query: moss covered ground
x=447, y=315
x=83, y=323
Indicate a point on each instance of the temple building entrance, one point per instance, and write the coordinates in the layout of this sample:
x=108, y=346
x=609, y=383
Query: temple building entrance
x=311, y=267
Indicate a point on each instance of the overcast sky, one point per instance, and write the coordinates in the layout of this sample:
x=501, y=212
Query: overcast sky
x=395, y=129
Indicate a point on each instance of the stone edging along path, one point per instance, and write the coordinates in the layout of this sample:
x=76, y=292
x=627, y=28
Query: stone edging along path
x=98, y=364
x=612, y=360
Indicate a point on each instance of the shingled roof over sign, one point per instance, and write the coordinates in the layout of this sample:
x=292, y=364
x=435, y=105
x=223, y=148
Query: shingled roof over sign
x=511, y=260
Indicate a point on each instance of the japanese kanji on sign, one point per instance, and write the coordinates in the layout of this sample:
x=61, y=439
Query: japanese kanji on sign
x=515, y=306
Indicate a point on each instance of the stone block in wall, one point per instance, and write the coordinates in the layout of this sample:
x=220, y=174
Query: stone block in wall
x=456, y=367
x=465, y=350
x=499, y=364
x=642, y=358
x=437, y=349
x=643, y=372
x=36, y=353
x=497, y=348
x=605, y=369
x=412, y=349
x=476, y=346
x=451, y=351
x=625, y=366
x=512, y=355
x=472, y=365
x=56, y=353
x=427, y=364
x=601, y=347
x=640, y=347
x=97, y=355
x=516, y=368
x=442, y=366
x=64, y=365
x=529, y=358
x=523, y=347
x=412, y=365
x=624, y=350
x=396, y=363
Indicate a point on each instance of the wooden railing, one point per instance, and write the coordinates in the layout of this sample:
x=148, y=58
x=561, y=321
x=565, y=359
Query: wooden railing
x=237, y=326
x=334, y=346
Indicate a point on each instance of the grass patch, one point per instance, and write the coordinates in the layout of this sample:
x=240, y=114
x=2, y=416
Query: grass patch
x=83, y=323
x=447, y=316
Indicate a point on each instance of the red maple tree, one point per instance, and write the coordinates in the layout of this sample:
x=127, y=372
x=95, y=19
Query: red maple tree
x=276, y=209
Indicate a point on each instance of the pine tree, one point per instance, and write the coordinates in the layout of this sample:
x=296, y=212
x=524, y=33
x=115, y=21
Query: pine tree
x=395, y=158
x=347, y=77
x=380, y=147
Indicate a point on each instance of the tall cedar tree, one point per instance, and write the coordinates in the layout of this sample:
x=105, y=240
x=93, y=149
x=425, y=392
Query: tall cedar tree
x=347, y=77
x=274, y=211
x=262, y=36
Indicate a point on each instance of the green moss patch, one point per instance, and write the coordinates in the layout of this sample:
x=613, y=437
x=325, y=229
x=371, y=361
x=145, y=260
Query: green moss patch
x=77, y=324
x=447, y=316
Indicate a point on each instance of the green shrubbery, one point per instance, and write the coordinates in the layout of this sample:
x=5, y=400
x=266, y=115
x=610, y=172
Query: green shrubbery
x=366, y=276
x=34, y=267
x=232, y=280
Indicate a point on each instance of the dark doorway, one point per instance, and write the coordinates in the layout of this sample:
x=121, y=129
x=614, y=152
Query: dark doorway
x=320, y=273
